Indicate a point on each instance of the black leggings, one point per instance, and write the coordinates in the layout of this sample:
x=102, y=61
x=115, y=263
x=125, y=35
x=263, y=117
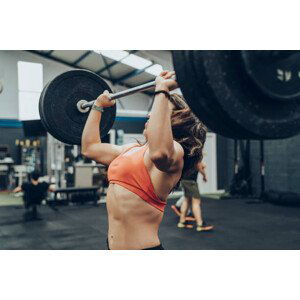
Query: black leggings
x=159, y=247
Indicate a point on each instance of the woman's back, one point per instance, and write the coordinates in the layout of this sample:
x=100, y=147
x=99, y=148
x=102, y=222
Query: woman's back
x=133, y=223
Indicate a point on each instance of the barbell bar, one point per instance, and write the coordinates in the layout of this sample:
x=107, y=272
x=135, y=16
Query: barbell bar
x=83, y=105
x=237, y=94
x=121, y=94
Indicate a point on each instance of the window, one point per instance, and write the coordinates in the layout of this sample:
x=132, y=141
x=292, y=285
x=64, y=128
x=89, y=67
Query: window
x=30, y=84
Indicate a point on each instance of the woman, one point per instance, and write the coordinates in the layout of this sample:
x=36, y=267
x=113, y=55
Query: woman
x=142, y=176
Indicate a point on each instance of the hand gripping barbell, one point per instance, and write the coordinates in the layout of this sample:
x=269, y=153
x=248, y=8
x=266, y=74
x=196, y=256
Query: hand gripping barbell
x=84, y=105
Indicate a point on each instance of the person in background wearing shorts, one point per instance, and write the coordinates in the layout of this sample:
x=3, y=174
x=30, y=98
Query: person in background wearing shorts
x=192, y=199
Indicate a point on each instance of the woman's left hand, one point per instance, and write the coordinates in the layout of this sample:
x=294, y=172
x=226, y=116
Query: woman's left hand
x=165, y=81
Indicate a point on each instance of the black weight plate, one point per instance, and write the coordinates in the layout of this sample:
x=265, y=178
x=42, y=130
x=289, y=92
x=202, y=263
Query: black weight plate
x=40, y=107
x=221, y=123
x=201, y=61
x=41, y=111
x=199, y=95
x=190, y=89
x=250, y=110
x=58, y=108
x=275, y=72
x=43, y=118
x=222, y=120
x=198, y=102
x=185, y=78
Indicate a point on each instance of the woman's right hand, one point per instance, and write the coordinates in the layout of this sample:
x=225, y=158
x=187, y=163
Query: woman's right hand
x=165, y=80
x=104, y=101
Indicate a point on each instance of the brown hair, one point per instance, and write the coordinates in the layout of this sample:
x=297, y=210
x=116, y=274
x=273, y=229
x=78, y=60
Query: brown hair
x=188, y=131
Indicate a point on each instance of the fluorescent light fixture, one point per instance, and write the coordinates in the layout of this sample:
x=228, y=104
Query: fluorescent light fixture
x=154, y=69
x=114, y=54
x=132, y=113
x=132, y=60
x=136, y=62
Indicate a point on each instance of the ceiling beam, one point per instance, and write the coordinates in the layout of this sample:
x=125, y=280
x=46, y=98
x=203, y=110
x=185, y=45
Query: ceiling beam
x=106, y=64
x=56, y=59
x=82, y=57
x=131, y=74
x=46, y=55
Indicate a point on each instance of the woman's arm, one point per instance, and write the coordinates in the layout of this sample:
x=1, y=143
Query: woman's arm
x=17, y=189
x=201, y=166
x=92, y=147
x=162, y=150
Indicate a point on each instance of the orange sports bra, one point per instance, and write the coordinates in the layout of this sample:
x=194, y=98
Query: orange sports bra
x=129, y=171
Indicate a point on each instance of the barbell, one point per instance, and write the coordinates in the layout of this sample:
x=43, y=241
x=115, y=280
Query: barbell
x=84, y=105
x=238, y=94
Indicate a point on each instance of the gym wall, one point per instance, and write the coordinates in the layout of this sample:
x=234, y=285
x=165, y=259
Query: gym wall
x=9, y=78
x=8, y=137
x=223, y=175
x=10, y=127
x=282, y=164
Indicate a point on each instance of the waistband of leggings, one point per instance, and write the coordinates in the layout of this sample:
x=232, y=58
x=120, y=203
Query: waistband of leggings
x=159, y=247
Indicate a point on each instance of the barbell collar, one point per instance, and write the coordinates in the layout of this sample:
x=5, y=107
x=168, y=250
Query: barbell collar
x=81, y=106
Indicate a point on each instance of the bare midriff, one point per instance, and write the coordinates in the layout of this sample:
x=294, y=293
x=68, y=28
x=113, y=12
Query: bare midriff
x=132, y=222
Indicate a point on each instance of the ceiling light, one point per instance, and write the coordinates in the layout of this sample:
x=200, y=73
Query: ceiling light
x=136, y=62
x=114, y=54
x=154, y=69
